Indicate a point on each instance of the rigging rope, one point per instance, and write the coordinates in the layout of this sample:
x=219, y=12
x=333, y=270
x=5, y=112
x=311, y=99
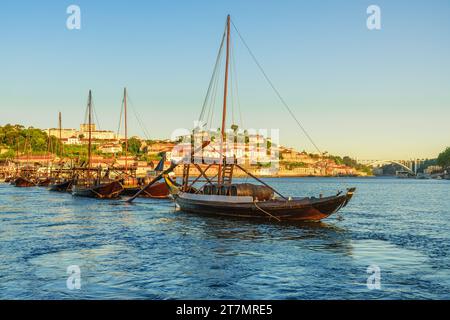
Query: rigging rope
x=233, y=66
x=270, y=215
x=212, y=100
x=96, y=119
x=219, y=54
x=120, y=118
x=138, y=118
x=275, y=90
x=231, y=84
x=136, y=114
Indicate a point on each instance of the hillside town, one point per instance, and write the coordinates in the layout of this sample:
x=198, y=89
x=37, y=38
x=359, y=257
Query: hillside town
x=65, y=145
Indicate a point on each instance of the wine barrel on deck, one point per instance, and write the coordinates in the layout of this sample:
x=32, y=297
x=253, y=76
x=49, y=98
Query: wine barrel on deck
x=257, y=192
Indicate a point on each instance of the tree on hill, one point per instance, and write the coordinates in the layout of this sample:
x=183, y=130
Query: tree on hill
x=17, y=137
x=134, y=146
x=443, y=159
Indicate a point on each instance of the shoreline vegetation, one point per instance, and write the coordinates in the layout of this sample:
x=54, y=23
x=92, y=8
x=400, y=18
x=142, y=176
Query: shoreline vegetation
x=32, y=145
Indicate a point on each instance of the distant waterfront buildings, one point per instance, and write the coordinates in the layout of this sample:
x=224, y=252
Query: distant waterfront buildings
x=253, y=151
x=74, y=136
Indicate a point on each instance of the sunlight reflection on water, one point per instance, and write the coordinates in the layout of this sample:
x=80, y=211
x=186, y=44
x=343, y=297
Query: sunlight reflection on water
x=149, y=250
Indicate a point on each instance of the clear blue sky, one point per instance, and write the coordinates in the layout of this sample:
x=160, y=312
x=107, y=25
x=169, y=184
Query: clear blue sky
x=367, y=94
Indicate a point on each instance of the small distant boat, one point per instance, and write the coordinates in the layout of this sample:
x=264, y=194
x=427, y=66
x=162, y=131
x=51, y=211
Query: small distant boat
x=63, y=178
x=98, y=186
x=62, y=186
x=108, y=190
x=23, y=182
x=158, y=190
x=44, y=182
x=131, y=185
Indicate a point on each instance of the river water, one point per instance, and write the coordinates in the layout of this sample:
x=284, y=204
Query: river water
x=147, y=250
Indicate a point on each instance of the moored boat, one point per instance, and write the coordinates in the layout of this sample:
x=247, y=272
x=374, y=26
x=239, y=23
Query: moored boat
x=23, y=182
x=130, y=183
x=62, y=186
x=158, y=190
x=256, y=202
x=92, y=184
x=105, y=190
x=44, y=182
x=217, y=195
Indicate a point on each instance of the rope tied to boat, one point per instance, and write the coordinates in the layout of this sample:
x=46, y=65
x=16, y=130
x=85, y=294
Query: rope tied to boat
x=270, y=215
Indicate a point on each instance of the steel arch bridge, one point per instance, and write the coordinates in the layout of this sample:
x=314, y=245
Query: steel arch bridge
x=376, y=162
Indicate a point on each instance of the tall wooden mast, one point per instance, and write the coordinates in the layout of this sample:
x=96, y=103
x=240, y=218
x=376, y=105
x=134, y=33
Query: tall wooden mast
x=90, y=130
x=224, y=111
x=126, y=128
x=60, y=134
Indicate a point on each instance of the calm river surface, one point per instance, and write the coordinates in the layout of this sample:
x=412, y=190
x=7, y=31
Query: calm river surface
x=147, y=250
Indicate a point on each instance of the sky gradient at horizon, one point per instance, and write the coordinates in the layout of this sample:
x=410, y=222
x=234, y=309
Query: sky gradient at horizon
x=367, y=94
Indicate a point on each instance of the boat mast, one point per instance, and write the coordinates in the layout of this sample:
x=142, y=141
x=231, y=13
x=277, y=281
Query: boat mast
x=224, y=111
x=27, y=149
x=126, y=128
x=60, y=133
x=48, y=154
x=17, y=157
x=89, y=135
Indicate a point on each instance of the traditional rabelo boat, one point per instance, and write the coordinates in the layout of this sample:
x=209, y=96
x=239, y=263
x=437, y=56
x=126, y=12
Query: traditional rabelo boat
x=132, y=186
x=26, y=175
x=63, y=180
x=158, y=190
x=130, y=183
x=62, y=186
x=46, y=179
x=219, y=196
x=90, y=182
x=62, y=177
x=24, y=182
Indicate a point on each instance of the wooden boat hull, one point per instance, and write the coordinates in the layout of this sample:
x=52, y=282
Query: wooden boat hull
x=129, y=191
x=306, y=209
x=156, y=191
x=110, y=190
x=65, y=186
x=24, y=183
x=45, y=182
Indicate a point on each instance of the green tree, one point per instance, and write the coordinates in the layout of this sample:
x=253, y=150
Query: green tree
x=134, y=146
x=443, y=159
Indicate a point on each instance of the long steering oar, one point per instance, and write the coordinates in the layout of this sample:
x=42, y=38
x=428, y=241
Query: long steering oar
x=172, y=166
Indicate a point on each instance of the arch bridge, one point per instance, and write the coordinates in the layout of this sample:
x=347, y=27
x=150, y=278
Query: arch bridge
x=380, y=162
